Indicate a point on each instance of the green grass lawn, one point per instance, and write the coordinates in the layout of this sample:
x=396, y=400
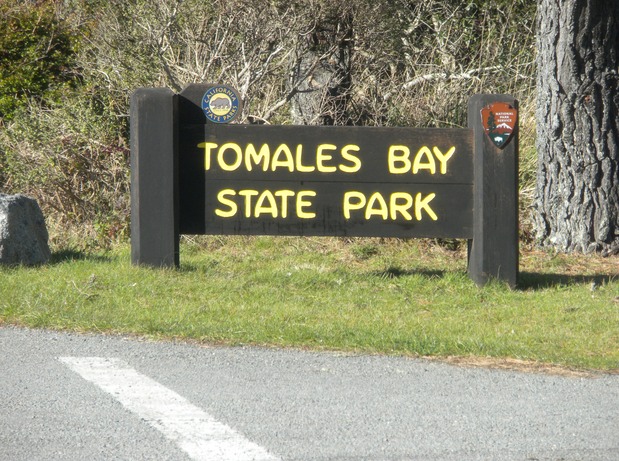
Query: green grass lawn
x=361, y=295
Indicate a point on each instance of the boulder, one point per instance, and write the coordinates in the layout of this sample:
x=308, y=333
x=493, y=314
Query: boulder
x=23, y=234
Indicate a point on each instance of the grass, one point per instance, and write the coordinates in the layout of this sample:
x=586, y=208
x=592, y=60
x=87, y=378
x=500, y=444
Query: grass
x=371, y=296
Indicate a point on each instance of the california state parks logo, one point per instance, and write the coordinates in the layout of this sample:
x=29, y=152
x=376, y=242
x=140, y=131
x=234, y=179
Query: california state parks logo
x=221, y=104
x=499, y=122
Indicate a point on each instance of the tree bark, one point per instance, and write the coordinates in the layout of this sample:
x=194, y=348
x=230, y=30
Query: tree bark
x=321, y=78
x=577, y=205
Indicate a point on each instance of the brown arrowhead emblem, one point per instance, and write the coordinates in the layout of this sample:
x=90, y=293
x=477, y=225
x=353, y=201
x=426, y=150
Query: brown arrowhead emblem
x=499, y=122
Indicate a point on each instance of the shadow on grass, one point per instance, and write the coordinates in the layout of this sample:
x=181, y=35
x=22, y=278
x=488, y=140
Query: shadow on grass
x=396, y=272
x=526, y=280
x=62, y=256
x=536, y=281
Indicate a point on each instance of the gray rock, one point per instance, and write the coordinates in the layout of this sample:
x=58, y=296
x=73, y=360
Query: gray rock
x=23, y=234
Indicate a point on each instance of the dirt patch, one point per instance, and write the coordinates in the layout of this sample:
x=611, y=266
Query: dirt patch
x=523, y=366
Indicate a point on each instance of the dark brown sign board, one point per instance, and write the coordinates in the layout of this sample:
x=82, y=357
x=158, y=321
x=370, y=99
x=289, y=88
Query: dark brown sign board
x=194, y=177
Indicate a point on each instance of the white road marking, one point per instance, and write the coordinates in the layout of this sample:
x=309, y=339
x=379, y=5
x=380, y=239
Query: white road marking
x=191, y=428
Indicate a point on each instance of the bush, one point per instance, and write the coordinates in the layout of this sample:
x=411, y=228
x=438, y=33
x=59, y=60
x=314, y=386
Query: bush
x=408, y=63
x=412, y=63
x=37, y=52
x=73, y=158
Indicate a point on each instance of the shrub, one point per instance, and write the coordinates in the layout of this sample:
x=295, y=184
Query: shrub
x=73, y=158
x=37, y=52
x=411, y=63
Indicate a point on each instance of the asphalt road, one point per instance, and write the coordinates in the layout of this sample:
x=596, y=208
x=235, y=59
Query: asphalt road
x=287, y=405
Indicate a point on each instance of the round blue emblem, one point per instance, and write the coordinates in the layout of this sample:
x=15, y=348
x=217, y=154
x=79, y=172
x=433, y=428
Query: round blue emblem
x=221, y=104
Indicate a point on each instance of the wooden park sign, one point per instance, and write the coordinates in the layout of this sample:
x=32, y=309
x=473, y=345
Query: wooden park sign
x=191, y=175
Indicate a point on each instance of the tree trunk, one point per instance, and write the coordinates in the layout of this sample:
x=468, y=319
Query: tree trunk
x=321, y=78
x=577, y=206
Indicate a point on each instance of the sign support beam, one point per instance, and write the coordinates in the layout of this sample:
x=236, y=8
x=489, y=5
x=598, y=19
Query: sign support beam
x=493, y=250
x=154, y=184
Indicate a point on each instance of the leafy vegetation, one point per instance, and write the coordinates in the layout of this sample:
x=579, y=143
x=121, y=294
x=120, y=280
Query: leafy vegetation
x=410, y=64
x=67, y=69
x=37, y=52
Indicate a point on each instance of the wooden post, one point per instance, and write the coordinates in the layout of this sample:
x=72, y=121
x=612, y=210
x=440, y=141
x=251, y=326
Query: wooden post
x=154, y=194
x=191, y=167
x=493, y=251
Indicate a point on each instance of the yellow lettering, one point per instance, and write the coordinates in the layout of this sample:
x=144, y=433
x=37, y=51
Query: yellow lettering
x=382, y=210
x=322, y=157
x=267, y=202
x=284, y=195
x=399, y=155
x=299, y=158
x=443, y=158
x=221, y=196
x=346, y=155
x=304, y=204
x=208, y=147
x=271, y=208
x=398, y=205
x=353, y=201
x=400, y=202
x=429, y=165
x=237, y=161
x=286, y=162
x=256, y=158
x=423, y=204
x=248, y=194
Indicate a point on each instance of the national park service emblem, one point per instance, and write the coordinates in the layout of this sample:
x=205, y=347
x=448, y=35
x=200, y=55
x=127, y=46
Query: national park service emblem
x=499, y=122
x=221, y=104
